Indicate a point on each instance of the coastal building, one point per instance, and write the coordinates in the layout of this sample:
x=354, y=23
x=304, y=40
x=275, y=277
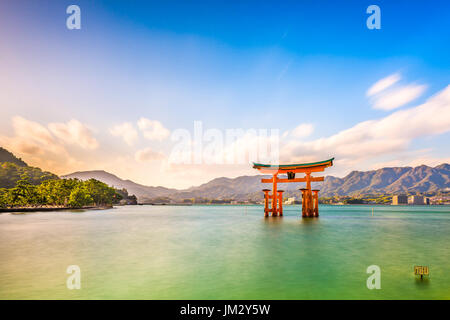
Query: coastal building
x=416, y=200
x=396, y=200
x=290, y=201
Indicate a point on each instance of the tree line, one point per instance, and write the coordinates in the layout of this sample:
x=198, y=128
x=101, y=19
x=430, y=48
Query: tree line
x=72, y=193
x=11, y=172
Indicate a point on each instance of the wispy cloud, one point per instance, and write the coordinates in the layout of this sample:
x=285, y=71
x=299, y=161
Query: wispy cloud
x=398, y=97
x=74, y=132
x=32, y=131
x=126, y=131
x=386, y=94
x=383, y=84
x=369, y=140
x=303, y=130
x=153, y=129
x=284, y=70
x=148, y=154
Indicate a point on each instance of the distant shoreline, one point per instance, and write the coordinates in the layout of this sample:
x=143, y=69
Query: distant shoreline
x=297, y=204
x=48, y=209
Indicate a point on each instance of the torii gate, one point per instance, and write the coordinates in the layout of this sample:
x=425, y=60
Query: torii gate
x=310, y=201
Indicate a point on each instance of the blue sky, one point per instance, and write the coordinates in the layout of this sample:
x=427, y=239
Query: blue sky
x=229, y=64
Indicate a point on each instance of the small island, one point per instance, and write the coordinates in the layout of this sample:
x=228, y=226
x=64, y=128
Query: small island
x=24, y=189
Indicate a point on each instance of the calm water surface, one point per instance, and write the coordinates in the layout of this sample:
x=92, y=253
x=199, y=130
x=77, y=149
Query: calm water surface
x=225, y=252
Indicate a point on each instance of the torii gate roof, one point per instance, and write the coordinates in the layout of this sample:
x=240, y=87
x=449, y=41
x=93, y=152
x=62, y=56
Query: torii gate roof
x=299, y=167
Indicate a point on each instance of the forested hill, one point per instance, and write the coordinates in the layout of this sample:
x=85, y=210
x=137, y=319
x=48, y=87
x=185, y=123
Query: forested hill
x=12, y=169
x=22, y=186
x=6, y=156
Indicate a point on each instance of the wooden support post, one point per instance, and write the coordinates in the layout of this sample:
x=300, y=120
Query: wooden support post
x=266, y=202
x=309, y=208
x=280, y=202
x=274, y=196
x=309, y=203
x=303, y=202
x=316, y=202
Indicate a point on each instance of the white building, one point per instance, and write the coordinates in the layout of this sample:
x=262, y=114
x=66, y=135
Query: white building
x=416, y=200
x=290, y=201
x=396, y=200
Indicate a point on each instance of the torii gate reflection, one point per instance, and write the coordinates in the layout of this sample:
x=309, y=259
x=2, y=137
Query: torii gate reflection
x=310, y=198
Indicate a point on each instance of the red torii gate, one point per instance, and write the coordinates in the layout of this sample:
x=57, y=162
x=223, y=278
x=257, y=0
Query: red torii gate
x=310, y=198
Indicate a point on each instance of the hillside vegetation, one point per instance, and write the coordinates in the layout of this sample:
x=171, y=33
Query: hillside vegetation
x=25, y=186
x=11, y=173
x=6, y=156
x=62, y=192
x=12, y=169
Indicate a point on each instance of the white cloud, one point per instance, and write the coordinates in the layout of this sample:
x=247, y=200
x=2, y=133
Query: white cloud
x=39, y=147
x=303, y=130
x=383, y=84
x=369, y=140
x=398, y=97
x=147, y=154
x=32, y=131
x=153, y=129
x=31, y=138
x=74, y=132
x=125, y=130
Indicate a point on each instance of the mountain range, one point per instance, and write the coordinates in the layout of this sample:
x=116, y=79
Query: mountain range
x=396, y=180
x=142, y=192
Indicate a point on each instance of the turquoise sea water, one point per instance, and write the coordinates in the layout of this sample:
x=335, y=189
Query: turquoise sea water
x=226, y=252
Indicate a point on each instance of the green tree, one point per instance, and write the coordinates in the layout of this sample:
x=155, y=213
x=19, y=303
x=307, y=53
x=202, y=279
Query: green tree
x=100, y=192
x=59, y=192
x=79, y=197
x=24, y=193
x=4, y=198
x=11, y=173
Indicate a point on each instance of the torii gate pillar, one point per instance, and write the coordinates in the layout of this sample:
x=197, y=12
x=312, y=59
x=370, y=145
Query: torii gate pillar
x=316, y=202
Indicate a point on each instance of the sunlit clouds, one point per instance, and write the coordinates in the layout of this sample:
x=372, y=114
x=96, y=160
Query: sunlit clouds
x=54, y=136
x=154, y=154
x=74, y=132
x=147, y=155
x=126, y=131
x=46, y=146
x=370, y=140
x=153, y=129
x=303, y=130
x=387, y=95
